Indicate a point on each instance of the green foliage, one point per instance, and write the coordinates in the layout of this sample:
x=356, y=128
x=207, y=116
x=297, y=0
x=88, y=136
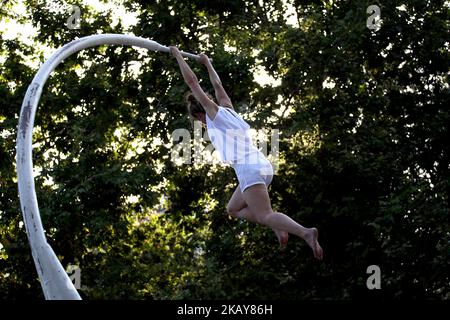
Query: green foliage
x=365, y=158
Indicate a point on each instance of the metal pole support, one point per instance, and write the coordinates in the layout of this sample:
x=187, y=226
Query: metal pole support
x=55, y=282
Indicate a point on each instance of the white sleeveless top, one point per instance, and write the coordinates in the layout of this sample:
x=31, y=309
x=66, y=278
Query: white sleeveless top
x=230, y=136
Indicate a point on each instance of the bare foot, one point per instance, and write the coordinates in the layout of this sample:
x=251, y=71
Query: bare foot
x=311, y=238
x=283, y=238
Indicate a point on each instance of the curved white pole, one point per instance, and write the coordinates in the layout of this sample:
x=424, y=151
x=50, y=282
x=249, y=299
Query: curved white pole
x=55, y=282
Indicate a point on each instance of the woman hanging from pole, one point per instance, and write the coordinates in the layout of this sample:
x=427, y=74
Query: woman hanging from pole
x=230, y=136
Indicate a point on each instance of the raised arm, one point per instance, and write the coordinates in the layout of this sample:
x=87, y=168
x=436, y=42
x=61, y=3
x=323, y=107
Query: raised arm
x=191, y=80
x=221, y=95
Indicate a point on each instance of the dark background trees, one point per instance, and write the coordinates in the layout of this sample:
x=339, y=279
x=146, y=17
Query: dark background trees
x=363, y=118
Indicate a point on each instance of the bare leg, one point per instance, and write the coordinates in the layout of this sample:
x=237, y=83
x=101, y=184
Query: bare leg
x=258, y=202
x=246, y=214
x=237, y=207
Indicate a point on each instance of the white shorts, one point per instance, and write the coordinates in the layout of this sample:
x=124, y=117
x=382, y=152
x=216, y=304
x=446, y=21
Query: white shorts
x=251, y=174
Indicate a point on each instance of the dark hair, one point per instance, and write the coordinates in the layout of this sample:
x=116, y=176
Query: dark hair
x=193, y=106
